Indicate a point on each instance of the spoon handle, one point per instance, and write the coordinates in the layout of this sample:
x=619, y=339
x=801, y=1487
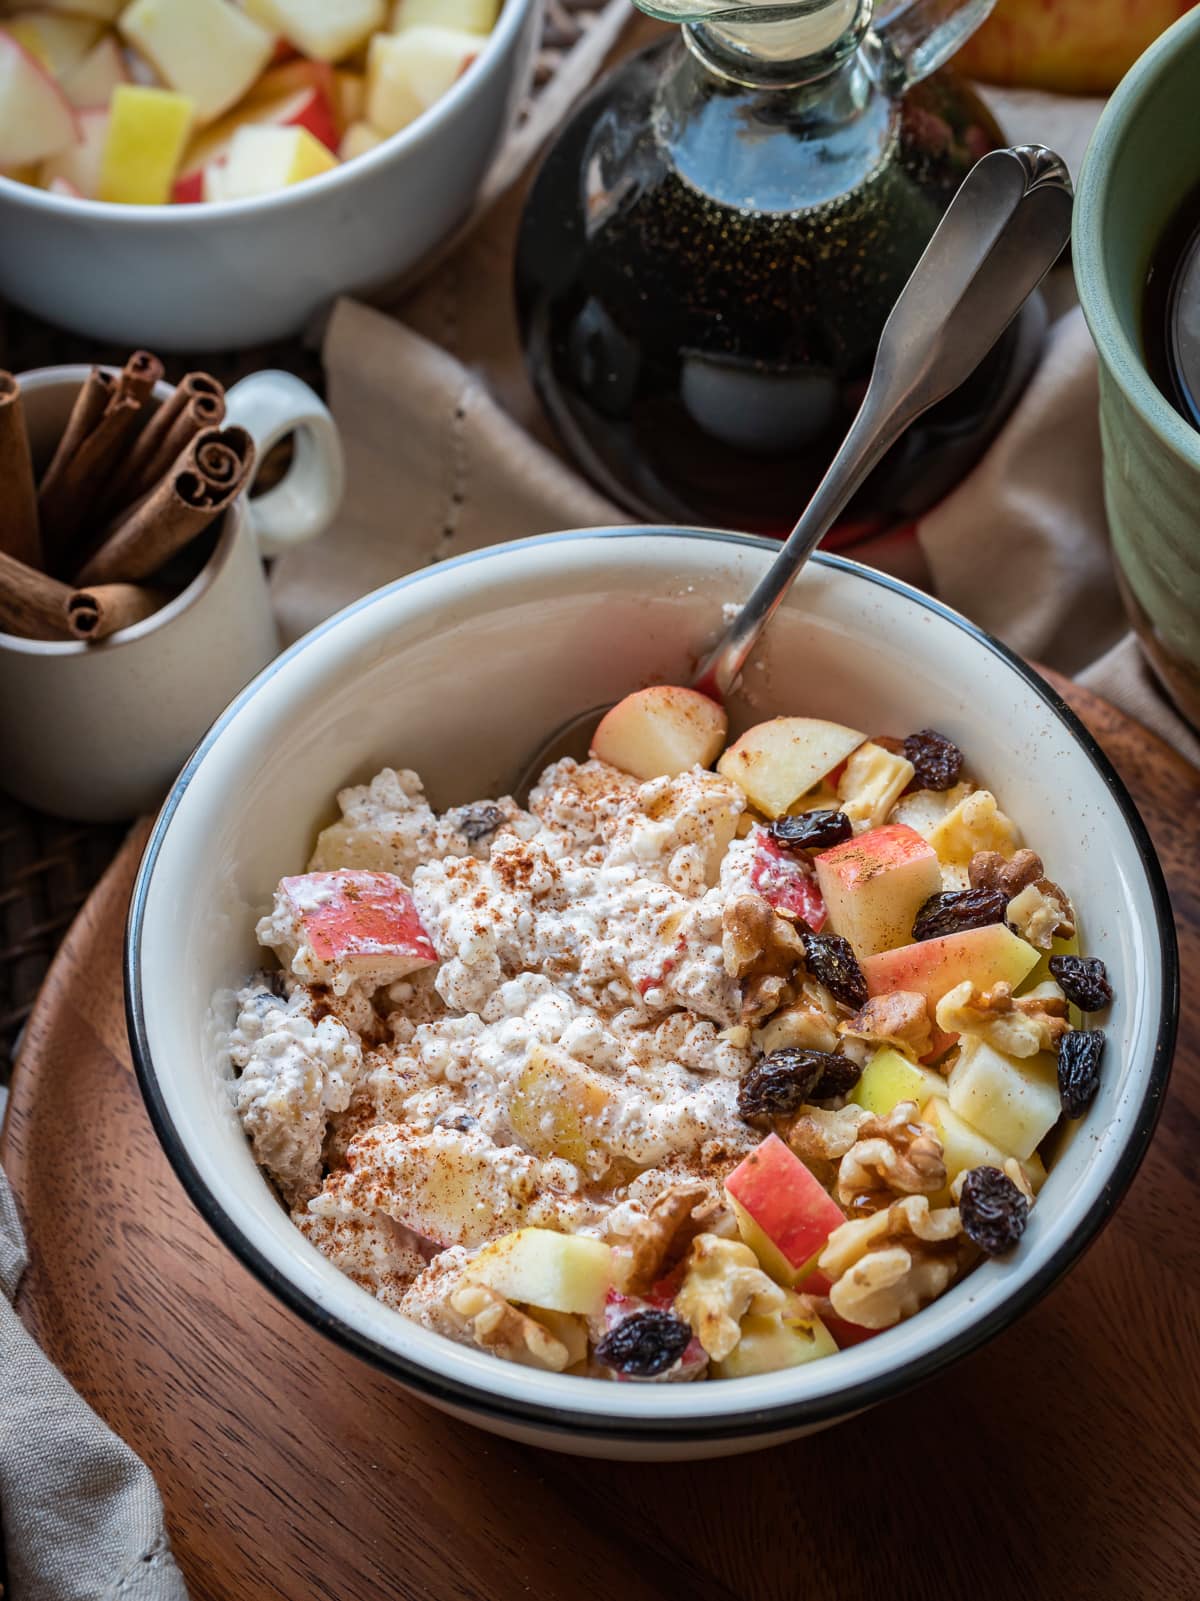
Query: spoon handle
x=1003, y=231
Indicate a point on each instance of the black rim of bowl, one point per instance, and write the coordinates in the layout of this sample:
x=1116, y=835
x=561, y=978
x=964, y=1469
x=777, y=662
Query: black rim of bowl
x=777, y=1419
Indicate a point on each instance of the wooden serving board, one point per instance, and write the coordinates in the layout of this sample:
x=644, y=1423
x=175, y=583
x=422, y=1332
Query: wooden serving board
x=1061, y=1461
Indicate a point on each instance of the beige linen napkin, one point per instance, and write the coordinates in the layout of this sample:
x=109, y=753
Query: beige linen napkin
x=81, y=1521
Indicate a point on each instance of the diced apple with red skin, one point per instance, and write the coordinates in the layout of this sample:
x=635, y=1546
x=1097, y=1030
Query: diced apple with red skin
x=786, y=882
x=36, y=118
x=777, y=762
x=874, y=886
x=78, y=166
x=91, y=83
x=263, y=159
x=336, y=928
x=407, y=72
x=783, y=1213
x=844, y=1334
x=986, y=956
x=318, y=28
x=300, y=107
x=208, y=50
x=58, y=42
x=660, y=731
x=105, y=10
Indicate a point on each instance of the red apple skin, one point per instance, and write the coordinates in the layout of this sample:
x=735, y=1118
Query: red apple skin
x=1067, y=46
x=820, y=1284
x=784, y=882
x=365, y=914
x=189, y=190
x=785, y=1200
x=893, y=845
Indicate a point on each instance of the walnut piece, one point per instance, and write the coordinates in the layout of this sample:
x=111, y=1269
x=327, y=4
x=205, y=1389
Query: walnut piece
x=761, y=949
x=821, y=1138
x=810, y=1023
x=893, y=1155
x=899, y=1019
x=1041, y=913
x=1019, y=1025
x=888, y=1266
x=497, y=1326
x=722, y=1283
x=646, y=1244
x=1010, y=875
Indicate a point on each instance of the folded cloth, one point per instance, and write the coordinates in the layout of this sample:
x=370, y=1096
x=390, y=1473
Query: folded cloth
x=81, y=1517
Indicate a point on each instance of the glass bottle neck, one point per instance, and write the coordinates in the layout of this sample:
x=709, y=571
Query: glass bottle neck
x=781, y=54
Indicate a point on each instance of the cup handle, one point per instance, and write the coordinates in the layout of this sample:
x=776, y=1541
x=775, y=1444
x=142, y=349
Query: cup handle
x=270, y=405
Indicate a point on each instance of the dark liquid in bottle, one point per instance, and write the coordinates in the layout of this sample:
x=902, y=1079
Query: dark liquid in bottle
x=1171, y=311
x=704, y=363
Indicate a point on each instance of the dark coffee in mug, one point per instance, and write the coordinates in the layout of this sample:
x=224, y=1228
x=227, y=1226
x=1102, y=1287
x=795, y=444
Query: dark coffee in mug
x=1171, y=311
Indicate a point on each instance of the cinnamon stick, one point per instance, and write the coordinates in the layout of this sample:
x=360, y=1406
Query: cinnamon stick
x=198, y=402
x=31, y=604
x=94, y=614
x=139, y=375
x=19, y=532
x=206, y=480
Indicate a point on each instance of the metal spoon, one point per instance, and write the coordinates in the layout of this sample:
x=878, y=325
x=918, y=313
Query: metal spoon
x=1003, y=231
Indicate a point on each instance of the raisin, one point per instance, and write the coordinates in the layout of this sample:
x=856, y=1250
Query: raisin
x=959, y=910
x=645, y=1344
x=811, y=831
x=785, y=1080
x=1079, y=1056
x=1083, y=980
x=994, y=1212
x=937, y=760
x=477, y=822
x=832, y=962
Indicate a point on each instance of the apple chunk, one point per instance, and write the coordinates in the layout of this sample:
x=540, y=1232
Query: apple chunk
x=986, y=956
x=1013, y=1103
x=91, y=82
x=537, y=1267
x=890, y=1078
x=318, y=29
x=340, y=927
x=78, y=165
x=208, y=50
x=475, y=16
x=263, y=159
x=964, y=1147
x=59, y=43
x=407, y=72
x=36, y=119
x=874, y=886
x=147, y=130
x=778, y=761
x=773, y=1340
x=661, y=731
x=783, y=1213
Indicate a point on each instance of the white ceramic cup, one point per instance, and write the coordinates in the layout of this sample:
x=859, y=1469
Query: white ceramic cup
x=97, y=732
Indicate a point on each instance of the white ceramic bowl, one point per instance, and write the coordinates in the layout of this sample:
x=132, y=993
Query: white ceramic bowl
x=460, y=671
x=243, y=272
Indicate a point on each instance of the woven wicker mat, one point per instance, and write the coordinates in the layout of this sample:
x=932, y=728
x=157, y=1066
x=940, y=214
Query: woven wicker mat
x=47, y=867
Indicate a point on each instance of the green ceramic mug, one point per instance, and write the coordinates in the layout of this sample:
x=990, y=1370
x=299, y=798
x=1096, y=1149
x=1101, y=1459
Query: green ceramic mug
x=1143, y=162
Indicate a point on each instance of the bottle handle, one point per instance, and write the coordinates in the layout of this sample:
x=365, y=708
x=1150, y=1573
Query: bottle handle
x=922, y=35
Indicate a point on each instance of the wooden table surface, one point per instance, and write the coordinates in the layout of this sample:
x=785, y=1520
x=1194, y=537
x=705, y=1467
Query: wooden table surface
x=1062, y=1461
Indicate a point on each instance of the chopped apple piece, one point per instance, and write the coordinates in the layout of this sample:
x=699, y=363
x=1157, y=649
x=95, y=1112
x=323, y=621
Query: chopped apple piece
x=890, y=1078
x=474, y=16
x=568, y=1328
x=783, y=1213
x=36, y=118
x=871, y=783
x=78, y=166
x=349, y=98
x=357, y=140
x=302, y=107
x=537, y=1267
x=778, y=761
x=559, y=1106
x=147, y=130
x=964, y=1147
x=263, y=159
x=976, y=823
x=786, y=882
x=91, y=82
x=63, y=186
x=407, y=72
x=206, y=49
x=347, y=926
x=773, y=1340
x=1013, y=1103
x=986, y=956
x=319, y=29
x=104, y=10
x=661, y=731
x=874, y=886
x=58, y=42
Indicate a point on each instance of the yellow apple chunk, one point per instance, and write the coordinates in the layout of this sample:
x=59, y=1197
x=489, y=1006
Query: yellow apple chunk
x=558, y=1106
x=660, y=732
x=964, y=1147
x=537, y=1267
x=774, y=1340
x=321, y=29
x=890, y=1078
x=407, y=72
x=1013, y=1103
x=778, y=761
x=208, y=50
x=147, y=132
x=264, y=159
x=473, y=16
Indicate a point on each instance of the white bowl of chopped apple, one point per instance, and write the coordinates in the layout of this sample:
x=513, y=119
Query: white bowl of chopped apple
x=752, y=1070
x=203, y=174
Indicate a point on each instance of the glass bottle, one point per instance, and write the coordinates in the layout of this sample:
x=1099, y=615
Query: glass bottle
x=711, y=248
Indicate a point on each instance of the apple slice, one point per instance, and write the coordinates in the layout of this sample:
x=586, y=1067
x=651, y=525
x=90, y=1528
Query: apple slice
x=58, y=42
x=875, y=884
x=262, y=160
x=290, y=77
x=147, y=130
x=407, y=72
x=890, y=1078
x=91, y=81
x=559, y=1106
x=783, y=1213
x=786, y=882
x=36, y=118
x=661, y=731
x=473, y=16
x=358, y=139
x=1013, y=1103
x=77, y=168
x=319, y=29
x=770, y=1341
x=347, y=926
x=205, y=49
x=986, y=956
x=964, y=1147
x=777, y=762
x=537, y=1267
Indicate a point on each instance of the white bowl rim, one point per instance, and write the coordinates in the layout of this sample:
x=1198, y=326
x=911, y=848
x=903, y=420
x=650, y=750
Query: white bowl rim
x=760, y=1422
x=511, y=19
